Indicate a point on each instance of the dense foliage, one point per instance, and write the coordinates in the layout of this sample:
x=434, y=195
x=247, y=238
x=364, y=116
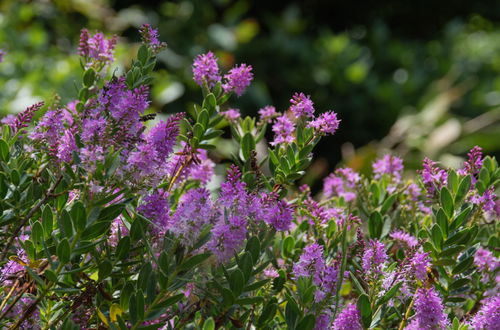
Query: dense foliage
x=107, y=222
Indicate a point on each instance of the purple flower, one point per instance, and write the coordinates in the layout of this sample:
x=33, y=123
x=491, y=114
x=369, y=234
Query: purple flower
x=66, y=146
x=429, y=311
x=118, y=230
x=277, y=212
x=24, y=118
x=311, y=262
x=390, y=165
x=231, y=115
x=9, y=271
x=238, y=79
x=373, y=257
x=433, y=177
x=2, y=54
x=163, y=136
x=283, y=131
x=326, y=123
x=348, y=319
x=194, y=211
x=149, y=37
x=418, y=265
x=267, y=114
x=485, y=261
x=206, y=70
x=302, y=105
x=203, y=169
x=233, y=194
x=341, y=183
x=49, y=129
x=228, y=235
x=488, y=317
x=487, y=201
x=154, y=206
x=270, y=272
x=96, y=49
x=405, y=238
x=474, y=164
x=323, y=321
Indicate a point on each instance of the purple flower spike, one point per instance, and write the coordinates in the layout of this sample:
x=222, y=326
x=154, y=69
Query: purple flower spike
x=326, y=123
x=206, y=70
x=348, y=319
x=149, y=37
x=488, y=317
x=429, y=311
x=283, y=131
x=390, y=165
x=24, y=118
x=302, y=105
x=238, y=79
x=96, y=49
x=267, y=114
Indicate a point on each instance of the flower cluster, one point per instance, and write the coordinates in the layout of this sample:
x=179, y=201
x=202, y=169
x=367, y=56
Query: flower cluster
x=96, y=50
x=341, y=183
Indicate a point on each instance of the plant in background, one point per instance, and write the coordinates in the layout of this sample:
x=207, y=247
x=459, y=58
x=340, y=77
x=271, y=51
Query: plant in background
x=110, y=222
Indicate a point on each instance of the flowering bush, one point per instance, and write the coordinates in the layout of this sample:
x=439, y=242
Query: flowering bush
x=109, y=223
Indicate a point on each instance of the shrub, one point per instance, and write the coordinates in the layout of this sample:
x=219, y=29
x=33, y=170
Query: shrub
x=107, y=223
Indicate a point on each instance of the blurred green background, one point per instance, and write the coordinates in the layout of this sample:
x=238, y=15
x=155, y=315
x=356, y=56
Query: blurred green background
x=419, y=78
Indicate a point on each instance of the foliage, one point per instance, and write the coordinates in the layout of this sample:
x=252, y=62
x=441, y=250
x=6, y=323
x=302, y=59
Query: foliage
x=108, y=223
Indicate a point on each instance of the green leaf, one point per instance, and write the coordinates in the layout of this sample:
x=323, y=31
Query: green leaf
x=65, y=224
x=79, y=216
x=365, y=310
x=255, y=285
x=245, y=263
x=194, y=261
x=37, y=232
x=170, y=301
x=288, y=246
x=250, y=300
x=144, y=275
x=50, y=275
x=447, y=202
x=388, y=203
x=132, y=308
x=209, y=324
x=253, y=246
x=458, y=284
x=47, y=220
x=448, y=252
x=307, y=323
x=463, y=189
x=247, y=145
x=442, y=221
x=453, y=180
x=4, y=151
x=210, y=103
x=292, y=313
x=105, y=269
x=111, y=212
x=203, y=118
x=228, y=296
x=236, y=282
x=143, y=54
x=140, y=305
x=389, y=294
x=89, y=77
x=123, y=248
x=375, y=225
x=461, y=218
x=63, y=251
x=463, y=266
x=437, y=237
x=267, y=313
